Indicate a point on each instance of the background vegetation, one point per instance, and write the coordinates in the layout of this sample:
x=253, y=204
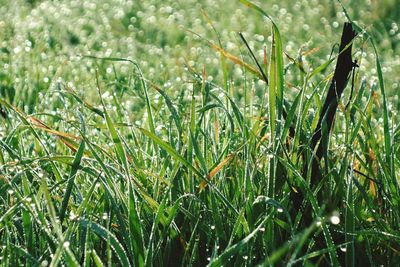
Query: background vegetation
x=140, y=133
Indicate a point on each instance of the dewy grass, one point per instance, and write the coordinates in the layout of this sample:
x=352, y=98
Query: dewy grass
x=157, y=160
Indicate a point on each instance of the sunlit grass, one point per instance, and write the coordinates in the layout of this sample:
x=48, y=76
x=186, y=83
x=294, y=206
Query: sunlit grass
x=146, y=135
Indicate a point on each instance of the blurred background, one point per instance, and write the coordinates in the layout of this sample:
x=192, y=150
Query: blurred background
x=41, y=42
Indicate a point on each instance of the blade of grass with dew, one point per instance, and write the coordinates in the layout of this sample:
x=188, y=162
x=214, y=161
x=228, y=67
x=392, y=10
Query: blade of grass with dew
x=142, y=81
x=198, y=153
x=107, y=235
x=192, y=128
x=70, y=258
x=240, y=221
x=25, y=120
x=311, y=198
x=172, y=109
x=277, y=57
x=236, y=111
x=232, y=250
x=164, y=145
x=57, y=228
x=96, y=259
x=71, y=91
x=313, y=255
x=169, y=222
x=71, y=180
x=30, y=259
x=272, y=94
x=275, y=95
x=349, y=224
x=276, y=204
x=27, y=220
x=150, y=248
x=111, y=188
x=279, y=74
x=215, y=105
x=290, y=117
x=135, y=228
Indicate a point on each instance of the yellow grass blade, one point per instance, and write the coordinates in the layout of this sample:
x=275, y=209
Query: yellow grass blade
x=217, y=168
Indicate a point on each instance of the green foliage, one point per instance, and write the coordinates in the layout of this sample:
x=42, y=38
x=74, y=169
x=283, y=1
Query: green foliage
x=127, y=141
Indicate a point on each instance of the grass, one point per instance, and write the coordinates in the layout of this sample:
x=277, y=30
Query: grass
x=169, y=149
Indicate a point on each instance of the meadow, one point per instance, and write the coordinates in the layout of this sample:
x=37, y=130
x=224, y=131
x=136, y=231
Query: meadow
x=195, y=133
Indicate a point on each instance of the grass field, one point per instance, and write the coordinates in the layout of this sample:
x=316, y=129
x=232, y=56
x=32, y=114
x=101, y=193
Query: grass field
x=179, y=133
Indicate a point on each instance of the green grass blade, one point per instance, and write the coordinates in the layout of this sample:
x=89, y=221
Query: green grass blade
x=168, y=148
x=234, y=249
x=107, y=235
x=71, y=180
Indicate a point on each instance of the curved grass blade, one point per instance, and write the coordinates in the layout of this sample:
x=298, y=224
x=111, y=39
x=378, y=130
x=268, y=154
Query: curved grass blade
x=168, y=148
x=71, y=180
x=171, y=108
x=225, y=256
x=108, y=236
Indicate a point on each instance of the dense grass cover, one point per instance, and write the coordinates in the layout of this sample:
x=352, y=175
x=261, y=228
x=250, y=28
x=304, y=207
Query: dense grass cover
x=129, y=140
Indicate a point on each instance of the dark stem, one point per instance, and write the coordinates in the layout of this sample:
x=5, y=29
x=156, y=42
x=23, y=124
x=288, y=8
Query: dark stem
x=341, y=76
x=319, y=142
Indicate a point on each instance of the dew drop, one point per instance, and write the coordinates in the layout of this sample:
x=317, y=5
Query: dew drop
x=72, y=216
x=335, y=219
x=335, y=24
x=66, y=244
